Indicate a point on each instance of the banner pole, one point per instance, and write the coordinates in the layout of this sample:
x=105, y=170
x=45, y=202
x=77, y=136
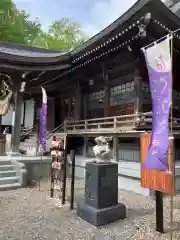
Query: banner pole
x=171, y=155
x=72, y=154
x=42, y=128
x=160, y=39
x=159, y=212
x=64, y=173
x=40, y=166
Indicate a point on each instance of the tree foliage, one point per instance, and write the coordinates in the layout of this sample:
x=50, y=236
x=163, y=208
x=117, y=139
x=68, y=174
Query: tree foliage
x=16, y=27
x=62, y=34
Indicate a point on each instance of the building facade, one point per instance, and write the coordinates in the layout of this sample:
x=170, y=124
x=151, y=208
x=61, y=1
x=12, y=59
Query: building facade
x=103, y=89
x=106, y=90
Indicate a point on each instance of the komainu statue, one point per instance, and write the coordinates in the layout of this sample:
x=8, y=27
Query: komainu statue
x=102, y=149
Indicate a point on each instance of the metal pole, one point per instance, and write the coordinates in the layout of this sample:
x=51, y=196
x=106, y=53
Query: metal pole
x=40, y=165
x=64, y=175
x=159, y=212
x=172, y=185
x=171, y=161
x=72, y=154
x=52, y=183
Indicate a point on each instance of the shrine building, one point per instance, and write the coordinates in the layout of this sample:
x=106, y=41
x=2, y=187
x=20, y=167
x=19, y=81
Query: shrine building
x=99, y=88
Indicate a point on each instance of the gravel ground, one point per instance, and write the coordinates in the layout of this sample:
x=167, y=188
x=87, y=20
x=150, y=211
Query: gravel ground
x=27, y=214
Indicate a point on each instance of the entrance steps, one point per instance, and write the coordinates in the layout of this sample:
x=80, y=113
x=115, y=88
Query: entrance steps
x=29, y=145
x=8, y=178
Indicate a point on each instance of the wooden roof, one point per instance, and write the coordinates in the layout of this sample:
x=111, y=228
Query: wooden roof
x=158, y=10
x=21, y=57
x=49, y=67
x=117, y=37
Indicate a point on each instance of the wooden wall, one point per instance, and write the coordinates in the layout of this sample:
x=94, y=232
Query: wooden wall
x=123, y=109
x=119, y=72
x=116, y=72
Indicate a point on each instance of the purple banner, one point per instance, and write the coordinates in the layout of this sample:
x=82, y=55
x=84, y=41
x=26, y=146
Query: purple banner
x=158, y=62
x=43, y=120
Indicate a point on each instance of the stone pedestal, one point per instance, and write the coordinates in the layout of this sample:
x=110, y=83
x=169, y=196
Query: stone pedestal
x=100, y=205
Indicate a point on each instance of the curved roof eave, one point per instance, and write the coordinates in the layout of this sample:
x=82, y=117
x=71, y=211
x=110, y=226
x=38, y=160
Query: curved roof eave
x=38, y=67
x=20, y=53
x=125, y=17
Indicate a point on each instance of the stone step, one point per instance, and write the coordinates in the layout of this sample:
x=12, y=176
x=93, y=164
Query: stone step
x=8, y=180
x=5, y=162
x=10, y=173
x=30, y=140
x=12, y=186
x=29, y=144
x=6, y=168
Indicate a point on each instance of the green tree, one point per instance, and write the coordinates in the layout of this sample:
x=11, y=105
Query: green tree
x=15, y=25
x=62, y=34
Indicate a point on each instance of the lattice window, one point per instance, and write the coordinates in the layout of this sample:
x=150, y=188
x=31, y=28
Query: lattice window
x=121, y=92
x=95, y=100
x=176, y=98
x=146, y=90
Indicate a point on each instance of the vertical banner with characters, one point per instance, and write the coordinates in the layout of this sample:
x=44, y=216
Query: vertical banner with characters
x=43, y=121
x=155, y=162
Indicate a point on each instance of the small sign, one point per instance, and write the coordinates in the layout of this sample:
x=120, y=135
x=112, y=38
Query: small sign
x=154, y=179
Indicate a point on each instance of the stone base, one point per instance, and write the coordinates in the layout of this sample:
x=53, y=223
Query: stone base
x=99, y=217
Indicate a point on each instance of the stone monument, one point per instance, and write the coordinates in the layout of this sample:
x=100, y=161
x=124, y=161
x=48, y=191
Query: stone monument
x=100, y=205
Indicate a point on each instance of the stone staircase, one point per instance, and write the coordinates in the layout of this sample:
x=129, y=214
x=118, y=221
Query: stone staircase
x=8, y=178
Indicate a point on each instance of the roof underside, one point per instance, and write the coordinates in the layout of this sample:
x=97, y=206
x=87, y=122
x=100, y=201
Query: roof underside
x=138, y=9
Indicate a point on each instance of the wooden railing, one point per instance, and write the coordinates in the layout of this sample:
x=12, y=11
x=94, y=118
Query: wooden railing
x=124, y=123
x=116, y=124
x=146, y=120
x=108, y=124
x=25, y=132
x=55, y=130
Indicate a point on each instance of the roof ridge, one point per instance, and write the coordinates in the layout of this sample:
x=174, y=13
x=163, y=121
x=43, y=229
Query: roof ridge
x=139, y=4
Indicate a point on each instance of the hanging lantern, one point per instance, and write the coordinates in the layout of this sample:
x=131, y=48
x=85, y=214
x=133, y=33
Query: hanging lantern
x=91, y=82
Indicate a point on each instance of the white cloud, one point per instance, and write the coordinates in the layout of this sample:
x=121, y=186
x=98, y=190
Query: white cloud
x=98, y=15
x=105, y=12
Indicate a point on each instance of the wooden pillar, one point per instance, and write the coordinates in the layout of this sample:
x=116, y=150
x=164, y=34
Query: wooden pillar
x=58, y=111
x=24, y=113
x=78, y=103
x=85, y=152
x=138, y=88
x=50, y=113
x=115, y=148
x=37, y=107
x=106, y=100
x=106, y=90
x=84, y=106
x=16, y=121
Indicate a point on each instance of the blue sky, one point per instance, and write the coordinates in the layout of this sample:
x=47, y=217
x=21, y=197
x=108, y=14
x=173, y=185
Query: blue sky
x=93, y=15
